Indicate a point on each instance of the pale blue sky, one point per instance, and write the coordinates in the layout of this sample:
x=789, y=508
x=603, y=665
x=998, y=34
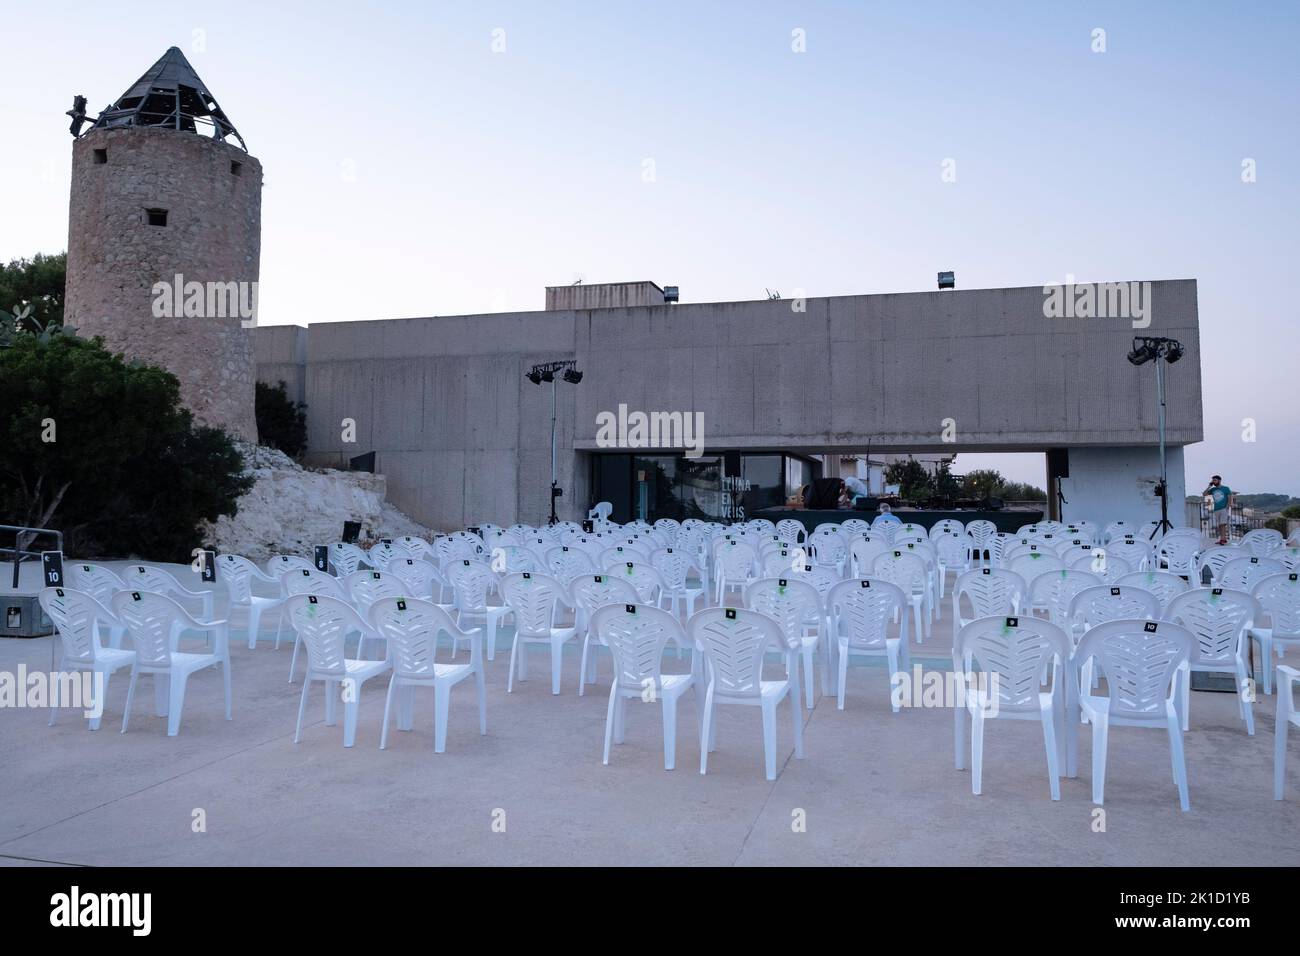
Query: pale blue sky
x=411, y=170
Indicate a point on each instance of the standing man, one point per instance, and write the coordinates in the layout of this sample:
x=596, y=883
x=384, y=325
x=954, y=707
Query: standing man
x=1222, y=498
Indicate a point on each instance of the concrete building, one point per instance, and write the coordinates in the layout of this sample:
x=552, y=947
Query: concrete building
x=463, y=437
x=164, y=240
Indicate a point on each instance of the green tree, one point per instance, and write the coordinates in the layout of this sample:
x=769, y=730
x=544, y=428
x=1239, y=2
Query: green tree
x=281, y=422
x=37, y=282
x=103, y=450
x=914, y=482
x=983, y=483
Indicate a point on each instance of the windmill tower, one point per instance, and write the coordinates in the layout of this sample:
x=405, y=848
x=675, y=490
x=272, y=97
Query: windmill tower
x=164, y=239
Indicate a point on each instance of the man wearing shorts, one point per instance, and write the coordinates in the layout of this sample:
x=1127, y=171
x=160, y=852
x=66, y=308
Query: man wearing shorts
x=1220, y=496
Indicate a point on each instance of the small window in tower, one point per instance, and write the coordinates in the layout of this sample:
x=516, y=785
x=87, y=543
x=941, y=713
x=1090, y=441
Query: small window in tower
x=236, y=168
x=157, y=217
x=101, y=157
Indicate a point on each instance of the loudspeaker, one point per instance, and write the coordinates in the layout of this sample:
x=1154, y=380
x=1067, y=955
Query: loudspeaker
x=1058, y=462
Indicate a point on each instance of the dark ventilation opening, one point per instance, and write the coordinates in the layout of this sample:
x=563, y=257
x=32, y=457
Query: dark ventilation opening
x=101, y=157
x=236, y=169
x=157, y=217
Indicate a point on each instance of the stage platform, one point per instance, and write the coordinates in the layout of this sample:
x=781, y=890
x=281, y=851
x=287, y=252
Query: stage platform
x=1006, y=520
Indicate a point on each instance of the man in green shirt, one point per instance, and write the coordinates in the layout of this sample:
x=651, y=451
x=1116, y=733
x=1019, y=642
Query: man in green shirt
x=1221, y=499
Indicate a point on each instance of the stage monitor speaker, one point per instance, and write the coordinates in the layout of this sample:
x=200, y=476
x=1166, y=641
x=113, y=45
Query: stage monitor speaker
x=1058, y=462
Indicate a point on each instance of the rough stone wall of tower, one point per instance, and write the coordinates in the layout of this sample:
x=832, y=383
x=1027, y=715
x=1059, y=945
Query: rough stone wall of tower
x=212, y=234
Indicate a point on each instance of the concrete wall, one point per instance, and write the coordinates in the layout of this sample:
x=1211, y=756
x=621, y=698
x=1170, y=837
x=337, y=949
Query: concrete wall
x=463, y=437
x=1118, y=484
x=280, y=352
x=604, y=295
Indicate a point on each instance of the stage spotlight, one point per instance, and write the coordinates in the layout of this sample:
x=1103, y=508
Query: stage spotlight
x=573, y=376
x=535, y=377
x=1141, y=354
x=1174, y=352
x=548, y=375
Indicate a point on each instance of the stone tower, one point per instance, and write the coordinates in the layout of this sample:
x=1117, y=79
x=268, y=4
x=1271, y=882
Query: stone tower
x=164, y=240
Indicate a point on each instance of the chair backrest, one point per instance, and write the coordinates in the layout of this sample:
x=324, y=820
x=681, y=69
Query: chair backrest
x=601, y=512
x=862, y=609
x=981, y=530
x=1017, y=649
x=1118, y=529
x=997, y=544
x=566, y=562
x=1139, y=658
x=903, y=568
x=951, y=548
x=851, y=527
x=367, y=587
x=77, y=616
x=418, y=576
x=411, y=627
x=622, y=553
x=533, y=598
x=637, y=635
x=821, y=578
x=864, y=553
x=829, y=550
x=410, y=546
x=1175, y=552
x=1243, y=574
x=990, y=591
x=279, y=564
x=734, y=560
x=1260, y=541
x=790, y=602
x=1033, y=563
x=734, y=641
x=1112, y=602
x=1215, y=558
x=346, y=558
x=790, y=530
x=1163, y=584
x=311, y=581
x=470, y=582
x=151, y=619
x=237, y=574
x=324, y=624
x=1218, y=617
x=146, y=577
x=642, y=575
x=593, y=591
x=1055, y=591
x=1137, y=554
x=1107, y=566
x=96, y=580
x=381, y=555
x=1279, y=596
x=947, y=526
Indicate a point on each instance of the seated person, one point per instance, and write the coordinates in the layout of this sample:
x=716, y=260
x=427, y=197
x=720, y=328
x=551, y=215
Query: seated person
x=856, y=488
x=887, y=514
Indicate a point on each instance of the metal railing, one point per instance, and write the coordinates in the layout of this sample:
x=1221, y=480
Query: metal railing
x=19, y=552
x=1202, y=516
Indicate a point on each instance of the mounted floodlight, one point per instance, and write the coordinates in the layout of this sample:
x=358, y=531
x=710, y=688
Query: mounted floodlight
x=947, y=280
x=535, y=377
x=545, y=372
x=1153, y=348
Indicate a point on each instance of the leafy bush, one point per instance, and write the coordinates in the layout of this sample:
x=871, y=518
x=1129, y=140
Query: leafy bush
x=281, y=422
x=103, y=450
x=36, y=284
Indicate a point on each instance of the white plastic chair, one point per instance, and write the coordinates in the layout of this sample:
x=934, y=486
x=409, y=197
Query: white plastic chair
x=1109, y=567
x=734, y=641
x=980, y=531
x=471, y=583
x=589, y=593
x=860, y=611
x=78, y=618
x=278, y=565
x=1137, y=554
x=947, y=526
x=1214, y=558
x=952, y=553
x=1014, y=653
x=1218, y=619
x=733, y=567
x=566, y=563
x=1261, y=541
x=1279, y=597
x=1163, y=584
x=238, y=575
x=411, y=627
x=1141, y=660
x=101, y=583
x=1175, y=553
x=305, y=581
x=346, y=558
x=791, y=531
x=534, y=599
x=1242, y=574
x=1054, y=592
x=675, y=567
x=641, y=574
x=908, y=571
x=147, y=577
x=324, y=624
x=1287, y=714
x=154, y=622
x=422, y=580
x=637, y=636
x=797, y=607
x=601, y=512
x=364, y=589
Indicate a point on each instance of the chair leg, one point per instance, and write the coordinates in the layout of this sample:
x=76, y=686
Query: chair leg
x=254, y=624
x=1049, y=740
x=225, y=680
x=620, y=719
x=130, y=696
x=609, y=720
x=959, y=723
x=796, y=712
x=293, y=661
x=669, y=707
x=557, y=662
x=844, y=674
x=103, y=697
x=491, y=622
x=977, y=751
x=1266, y=657
x=1243, y=701
x=481, y=685
x=279, y=628
x=1185, y=695
x=769, y=739
x=302, y=709
x=582, y=667
x=1100, y=735
x=510, y=678
x=896, y=677
x=350, y=708
x=1279, y=741
x=388, y=706
x=176, y=703
x=808, y=675
x=441, y=711
x=1179, y=760
x=706, y=730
